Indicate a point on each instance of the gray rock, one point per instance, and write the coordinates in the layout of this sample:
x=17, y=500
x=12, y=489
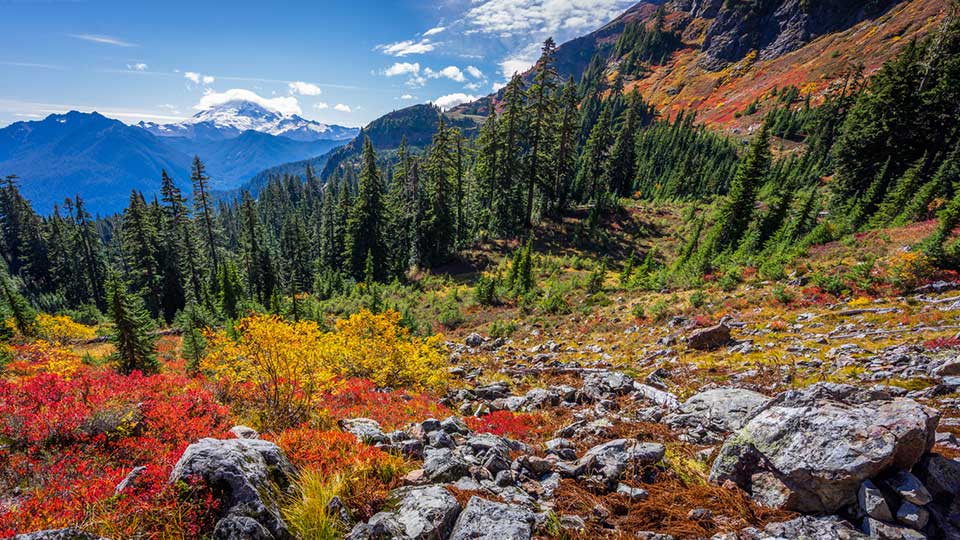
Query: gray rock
x=909, y=487
x=632, y=493
x=58, y=534
x=872, y=502
x=244, y=432
x=365, y=429
x=940, y=475
x=719, y=411
x=248, y=475
x=612, y=458
x=234, y=527
x=454, y=425
x=708, y=339
x=430, y=424
x=474, y=340
x=130, y=480
x=443, y=465
x=605, y=384
x=650, y=535
x=801, y=528
x=809, y=450
x=487, y=520
x=887, y=531
x=949, y=368
x=912, y=515
x=422, y=513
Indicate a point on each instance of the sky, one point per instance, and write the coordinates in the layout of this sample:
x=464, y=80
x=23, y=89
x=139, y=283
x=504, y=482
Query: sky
x=339, y=62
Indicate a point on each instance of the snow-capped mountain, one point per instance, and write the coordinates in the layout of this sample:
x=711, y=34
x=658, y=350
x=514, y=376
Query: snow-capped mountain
x=232, y=118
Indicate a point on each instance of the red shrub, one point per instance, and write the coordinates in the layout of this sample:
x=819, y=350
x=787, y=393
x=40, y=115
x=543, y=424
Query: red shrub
x=521, y=426
x=392, y=409
x=70, y=441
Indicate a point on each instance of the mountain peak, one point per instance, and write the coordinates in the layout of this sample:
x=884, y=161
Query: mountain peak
x=232, y=118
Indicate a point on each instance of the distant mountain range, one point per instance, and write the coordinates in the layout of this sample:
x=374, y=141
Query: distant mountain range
x=103, y=159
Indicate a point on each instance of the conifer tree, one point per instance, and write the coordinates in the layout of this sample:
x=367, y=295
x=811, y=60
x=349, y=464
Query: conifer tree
x=541, y=111
x=364, y=234
x=737, y=208
x=141, y=246
x=23, y=315
x=131, y=334
x=203, y=208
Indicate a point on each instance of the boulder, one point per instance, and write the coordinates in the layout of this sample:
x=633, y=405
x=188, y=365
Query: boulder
x=604, y=384
x=801, y=528
x=474, y=340
x=708, y=339
x=909, y=488
x=487, y=520
x=443, y=465
x=717, y=412
x=365, y=429
x=422, y=513
x=872, y=502
x=233, y=527
x=247, y=474
x=809, y=450
x=612, y=458
x=887, y=531
x=912, y=515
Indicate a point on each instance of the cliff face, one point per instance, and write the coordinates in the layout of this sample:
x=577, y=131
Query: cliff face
x=772, y=27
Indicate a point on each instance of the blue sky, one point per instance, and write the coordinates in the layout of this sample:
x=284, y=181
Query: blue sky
x=342, y=62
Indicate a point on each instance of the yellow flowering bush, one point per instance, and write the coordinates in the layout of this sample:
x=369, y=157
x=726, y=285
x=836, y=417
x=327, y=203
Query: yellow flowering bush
x=285, y=365
x=42, y=356
x=63, y=329
x=376, y=347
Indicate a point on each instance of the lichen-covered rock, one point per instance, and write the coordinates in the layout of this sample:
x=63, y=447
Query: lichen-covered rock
x=708, y=415
x=801, y=528
x=487, y=520
x=422, y=513
x=443, y=465
x=247, y=474
x=234, y=527
x=365, y=429
x=809, y=450
x=605, y=384
x=612, y=458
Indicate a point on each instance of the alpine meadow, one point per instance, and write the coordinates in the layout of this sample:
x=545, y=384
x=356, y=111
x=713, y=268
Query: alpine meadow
x=668, y=270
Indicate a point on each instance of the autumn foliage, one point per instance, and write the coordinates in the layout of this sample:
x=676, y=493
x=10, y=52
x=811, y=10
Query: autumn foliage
x=284, y=368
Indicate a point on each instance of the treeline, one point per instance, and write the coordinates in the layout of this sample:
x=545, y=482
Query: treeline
x=887, y=147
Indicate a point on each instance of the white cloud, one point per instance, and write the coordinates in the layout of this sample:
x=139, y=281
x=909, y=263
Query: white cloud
x=435, y=30
x=474, y=72
x=406, y=47
x=104, y=40
x=198, y=78
x=497, y=86
x=139, y=66
x=472, y=86
x=402, y=68
x=407, y=97
x=510, y=66
x=342, y=108
x=284, y=104
x=304, y=88
x=450, y=72
x=321, y=105
x=507, y=18
x=450, y=101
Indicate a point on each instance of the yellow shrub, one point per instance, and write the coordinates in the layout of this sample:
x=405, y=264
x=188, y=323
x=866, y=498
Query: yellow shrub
x=63, y=329
x=376, y=347
x=42, y=356
x=286, y=365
